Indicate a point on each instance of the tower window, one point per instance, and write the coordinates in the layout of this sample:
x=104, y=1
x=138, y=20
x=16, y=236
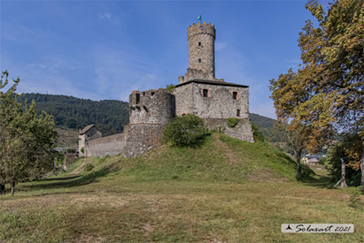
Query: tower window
x=235, y=95
x=199, y=60
x=205, y=92
x=137, y=98
x=199, y=44
x=238, y=113
x=153, y=94
x=201, y=27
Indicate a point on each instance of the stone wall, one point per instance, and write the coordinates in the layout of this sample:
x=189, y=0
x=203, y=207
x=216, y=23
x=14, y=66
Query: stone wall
x=217, y=106
x=84, y=139
x=184, y=99
x=140, y=138
x=219, y=102
x=110, y=145
x=242, y=130
x=151, y=106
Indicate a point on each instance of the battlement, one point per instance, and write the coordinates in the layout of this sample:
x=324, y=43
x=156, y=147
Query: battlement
x=201, y=28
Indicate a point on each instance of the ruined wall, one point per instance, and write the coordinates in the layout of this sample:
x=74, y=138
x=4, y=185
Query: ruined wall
x=140, y=138
x=150, y=111
x=242, y=130
x=110, y=145
x=151, y=106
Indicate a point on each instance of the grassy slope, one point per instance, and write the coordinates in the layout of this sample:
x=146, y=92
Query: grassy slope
x=225, y=191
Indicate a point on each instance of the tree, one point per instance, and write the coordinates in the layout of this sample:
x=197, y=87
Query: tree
x=186, y=130
x=27, y=142
x=325, y=95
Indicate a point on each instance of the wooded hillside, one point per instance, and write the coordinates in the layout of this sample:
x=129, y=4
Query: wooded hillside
x=108, y=115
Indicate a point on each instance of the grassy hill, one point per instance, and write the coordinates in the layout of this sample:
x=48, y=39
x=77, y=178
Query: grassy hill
x=227, y=190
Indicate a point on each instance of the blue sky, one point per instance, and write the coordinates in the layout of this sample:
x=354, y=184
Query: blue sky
x=106, y=49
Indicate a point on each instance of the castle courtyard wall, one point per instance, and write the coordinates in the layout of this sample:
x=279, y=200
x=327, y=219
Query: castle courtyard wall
x=110, y=145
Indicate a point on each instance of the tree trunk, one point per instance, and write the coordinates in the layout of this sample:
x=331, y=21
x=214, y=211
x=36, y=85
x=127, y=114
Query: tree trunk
x=362, y=170
x=343, y=174
x=298, y=170
x=12, y=189
x=2, y=189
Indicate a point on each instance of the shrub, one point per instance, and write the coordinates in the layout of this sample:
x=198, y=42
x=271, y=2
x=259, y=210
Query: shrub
x=82, y=150
x=187, y=130
x=257, y=134
x=89, y=167
x=232, y=122
x=170, y=88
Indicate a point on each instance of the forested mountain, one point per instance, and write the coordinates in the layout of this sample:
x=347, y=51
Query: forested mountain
x=108, y=115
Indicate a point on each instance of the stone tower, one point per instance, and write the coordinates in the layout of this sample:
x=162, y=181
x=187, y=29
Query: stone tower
x=201, y=47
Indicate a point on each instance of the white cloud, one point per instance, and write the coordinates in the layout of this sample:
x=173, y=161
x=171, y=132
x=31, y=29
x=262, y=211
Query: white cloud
x=108, y=16
x=220, y=46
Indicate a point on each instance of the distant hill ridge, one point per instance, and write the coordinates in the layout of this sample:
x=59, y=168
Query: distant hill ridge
x=110, y=116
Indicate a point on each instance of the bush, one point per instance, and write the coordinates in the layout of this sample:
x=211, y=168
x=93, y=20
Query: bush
x=187, y=130
x=170, y=88
x=232, y=122
x=89, y=167
x=257, y=134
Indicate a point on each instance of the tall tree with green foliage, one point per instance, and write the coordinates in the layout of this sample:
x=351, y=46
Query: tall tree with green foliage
x=27, y=141
x=326, y=94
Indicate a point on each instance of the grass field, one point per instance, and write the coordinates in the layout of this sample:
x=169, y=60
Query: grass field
x=225, y=191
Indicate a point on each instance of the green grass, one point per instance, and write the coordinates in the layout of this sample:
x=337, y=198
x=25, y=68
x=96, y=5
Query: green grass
x=225, y=191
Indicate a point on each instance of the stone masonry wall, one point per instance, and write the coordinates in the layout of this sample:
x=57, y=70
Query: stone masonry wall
x=218, y=104
x=184, y=99
x=216, y=107
x=151, y=106
x=242, y=130
x=110, y=145
x=140, y=138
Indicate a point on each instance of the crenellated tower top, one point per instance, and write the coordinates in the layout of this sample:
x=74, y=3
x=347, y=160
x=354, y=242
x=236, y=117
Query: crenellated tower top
x=199, y=28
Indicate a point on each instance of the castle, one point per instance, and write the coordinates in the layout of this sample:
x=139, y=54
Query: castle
x=198, y=92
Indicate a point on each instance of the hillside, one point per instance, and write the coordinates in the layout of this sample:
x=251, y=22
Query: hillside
x=69, y=112
x=108, y=115
x=226, y=190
